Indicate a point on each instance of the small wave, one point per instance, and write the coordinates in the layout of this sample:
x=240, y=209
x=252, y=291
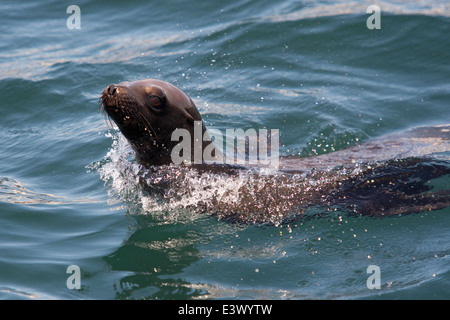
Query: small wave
x=13, y=191
x=169, y=193
x=14, y=293
x=315, y=10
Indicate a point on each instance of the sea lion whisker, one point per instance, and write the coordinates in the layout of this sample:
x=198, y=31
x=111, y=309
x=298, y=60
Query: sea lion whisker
x=101, y=106
x=146, y=123
x=108, y=121
x=110, y=124
x=152, y=131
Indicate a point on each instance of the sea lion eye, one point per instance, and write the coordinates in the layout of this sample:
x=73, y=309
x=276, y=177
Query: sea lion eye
x=155, y=102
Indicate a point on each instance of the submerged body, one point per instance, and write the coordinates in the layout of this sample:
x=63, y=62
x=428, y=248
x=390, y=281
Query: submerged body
x=364, y=179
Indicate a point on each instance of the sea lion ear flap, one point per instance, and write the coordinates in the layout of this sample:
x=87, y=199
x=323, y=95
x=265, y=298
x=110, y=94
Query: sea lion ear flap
x=189, y=117
x=191, y=113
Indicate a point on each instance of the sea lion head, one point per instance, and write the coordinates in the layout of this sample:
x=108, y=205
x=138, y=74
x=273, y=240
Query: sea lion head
x=147, y=112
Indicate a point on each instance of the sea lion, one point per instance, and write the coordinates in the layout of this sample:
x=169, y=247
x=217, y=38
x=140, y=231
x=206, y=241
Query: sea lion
x=147, y=112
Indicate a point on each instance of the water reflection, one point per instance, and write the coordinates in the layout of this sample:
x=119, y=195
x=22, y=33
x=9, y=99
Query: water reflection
x=154, y=254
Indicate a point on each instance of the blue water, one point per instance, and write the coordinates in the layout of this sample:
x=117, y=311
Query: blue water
x=311, y=69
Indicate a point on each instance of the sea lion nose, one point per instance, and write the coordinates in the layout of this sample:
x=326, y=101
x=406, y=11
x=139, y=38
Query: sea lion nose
x=112, y=89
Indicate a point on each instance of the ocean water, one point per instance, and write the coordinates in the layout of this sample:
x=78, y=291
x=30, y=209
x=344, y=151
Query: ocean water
x=312, y=69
